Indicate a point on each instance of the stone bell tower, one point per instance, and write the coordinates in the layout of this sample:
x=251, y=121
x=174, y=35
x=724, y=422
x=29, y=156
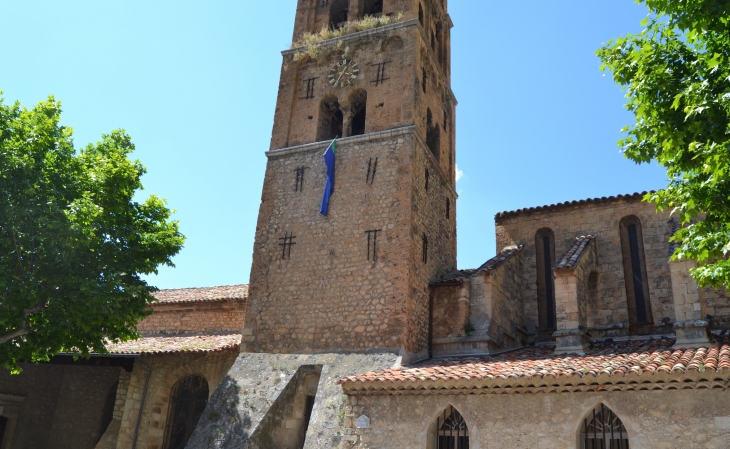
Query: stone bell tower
x=357, y=279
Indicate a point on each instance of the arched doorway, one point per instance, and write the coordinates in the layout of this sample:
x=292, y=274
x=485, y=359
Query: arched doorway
x=187, y=402
x=602, y=429
x=452, y=431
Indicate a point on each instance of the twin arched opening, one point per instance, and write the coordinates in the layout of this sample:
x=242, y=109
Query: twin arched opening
x=342, y=121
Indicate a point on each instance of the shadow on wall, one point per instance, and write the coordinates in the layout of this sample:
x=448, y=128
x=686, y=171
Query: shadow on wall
x=230, y=431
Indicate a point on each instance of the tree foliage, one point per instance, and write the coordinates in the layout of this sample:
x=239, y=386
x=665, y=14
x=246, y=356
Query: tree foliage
x=677, y=77
x=73, y=241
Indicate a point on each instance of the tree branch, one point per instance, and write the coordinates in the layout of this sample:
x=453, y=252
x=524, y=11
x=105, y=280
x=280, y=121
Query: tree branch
x=16, y=333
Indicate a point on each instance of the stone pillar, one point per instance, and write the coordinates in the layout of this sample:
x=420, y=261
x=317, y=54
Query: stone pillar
x=571, y=278
x=691, y=329
x=346, y=121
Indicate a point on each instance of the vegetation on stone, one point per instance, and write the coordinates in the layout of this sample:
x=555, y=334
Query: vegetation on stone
x=74, y=242
x=677, y=76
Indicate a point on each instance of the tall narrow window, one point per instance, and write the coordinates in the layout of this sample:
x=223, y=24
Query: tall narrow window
x=425, y=249
x=428, y=175
x=3, y=427
x=448, y=208
x=420, y=14
x=602, y=429
x=545, y=259
x=451, y=430
x=107, y=415
x=358, y=102
x=187, y=402
x=330, y=119
x=424, y=80
x=637, y=287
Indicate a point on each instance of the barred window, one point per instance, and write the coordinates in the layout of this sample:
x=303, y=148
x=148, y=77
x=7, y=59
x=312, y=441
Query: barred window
x=452, y=431
x=187, y=402
x=602, y=429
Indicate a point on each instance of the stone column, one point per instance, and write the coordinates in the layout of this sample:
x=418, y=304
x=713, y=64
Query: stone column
x=346, y=121
x=691, y=329
x=571, y=278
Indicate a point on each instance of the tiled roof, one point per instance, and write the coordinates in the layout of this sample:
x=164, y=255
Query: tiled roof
x=612, y=360
x=570, y=259
x=489, y=265
x=166, y=344
x=220, y=293
x=629, y=197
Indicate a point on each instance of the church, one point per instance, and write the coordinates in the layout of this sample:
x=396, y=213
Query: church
x=357, y=330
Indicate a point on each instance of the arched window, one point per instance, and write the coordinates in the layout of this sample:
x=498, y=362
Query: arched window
x=358, y=102
x=374, y=8
x=545, y=260
x=637, y=286
x=330, y=119
x=187, y=402
x=338, y=13
x=602, y=429
x=451, y=431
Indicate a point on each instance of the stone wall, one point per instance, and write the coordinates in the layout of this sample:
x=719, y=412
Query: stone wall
x=326, y=294
x=165, y=371
x=599, y=218
x=673, y=419
x=503, y=296
x=255, y=398
x=194, y=317
x=451, y=310
x=62, y=406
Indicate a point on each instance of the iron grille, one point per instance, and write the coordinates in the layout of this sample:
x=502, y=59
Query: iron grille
x=604, y=430
x=452, y=430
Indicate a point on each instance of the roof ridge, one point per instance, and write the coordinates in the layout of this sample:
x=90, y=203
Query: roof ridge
x=515, y=212
x=571, y=257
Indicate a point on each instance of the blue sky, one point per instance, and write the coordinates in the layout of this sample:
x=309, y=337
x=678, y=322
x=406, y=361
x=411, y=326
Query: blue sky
x=195, y=84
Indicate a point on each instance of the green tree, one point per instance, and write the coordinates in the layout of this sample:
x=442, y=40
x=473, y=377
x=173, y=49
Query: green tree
x=73, y=241
x=677, y=77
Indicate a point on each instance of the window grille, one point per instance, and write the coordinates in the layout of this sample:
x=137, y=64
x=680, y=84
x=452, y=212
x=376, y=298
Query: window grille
x=604, y=430
x=187, y=402
x=452, y=431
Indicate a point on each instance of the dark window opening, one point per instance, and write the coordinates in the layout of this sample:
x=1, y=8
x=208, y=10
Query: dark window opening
x=433, y=141
x=452, y=431
x=3, y=427
x=602, y=429
x=187, y=402
x=433, y=41
x=338, y=13
x=420, y=14
x=374, y=8
x=358, y=103
x=427, y=176
x=545, y=259
x=637, y=289
x=107, y=415
x=330, y=119
x=424, y=80
x=448, y=208
x=308, y=407
x=425, y=249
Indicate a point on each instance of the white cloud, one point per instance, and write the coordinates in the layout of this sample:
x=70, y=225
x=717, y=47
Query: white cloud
x=459, y=173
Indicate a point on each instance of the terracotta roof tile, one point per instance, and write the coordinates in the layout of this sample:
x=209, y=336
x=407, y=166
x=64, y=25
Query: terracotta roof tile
x=619, y=359
x=632, y=196
x=166, y=344
x=570, y=259
x=220, y=293
x=489, y=265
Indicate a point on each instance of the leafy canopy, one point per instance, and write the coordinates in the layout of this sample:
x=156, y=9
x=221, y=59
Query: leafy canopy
x=677, y=77
x=73, y=241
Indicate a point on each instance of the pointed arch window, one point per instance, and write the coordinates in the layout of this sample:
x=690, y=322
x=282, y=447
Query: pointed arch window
x=602, y=429
x=452, y=431
x=635, y=274
x=187, y=402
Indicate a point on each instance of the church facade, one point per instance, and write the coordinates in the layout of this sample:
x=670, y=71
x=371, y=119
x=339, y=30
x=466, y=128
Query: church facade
x=357, y=329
